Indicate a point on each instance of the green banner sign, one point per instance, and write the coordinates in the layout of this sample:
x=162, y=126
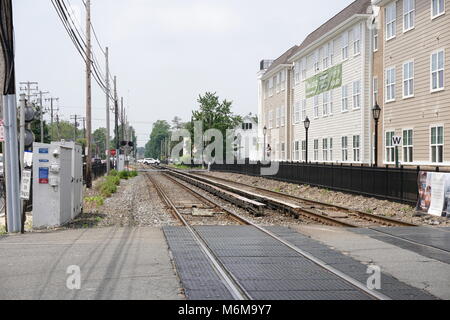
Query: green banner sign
x=325, y=81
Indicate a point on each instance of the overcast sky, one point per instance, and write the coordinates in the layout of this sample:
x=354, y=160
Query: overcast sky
x=165, y=53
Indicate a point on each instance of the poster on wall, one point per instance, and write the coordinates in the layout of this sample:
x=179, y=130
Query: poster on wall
x=434, y=194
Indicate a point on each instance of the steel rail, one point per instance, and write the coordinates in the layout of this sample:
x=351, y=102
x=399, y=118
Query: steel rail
x=367, y=216
x=231, y=284
x=278, y=204
x=355, y=283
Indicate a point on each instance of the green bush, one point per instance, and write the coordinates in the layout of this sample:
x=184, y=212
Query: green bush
x=108, y=188
x=113, y=179
x=113, y=173
x=133, y=174
x=124, y=175
x=99, y=201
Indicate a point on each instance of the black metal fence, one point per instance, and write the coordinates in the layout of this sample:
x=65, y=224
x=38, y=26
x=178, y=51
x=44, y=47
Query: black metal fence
x=98, y=170
x=398, y=184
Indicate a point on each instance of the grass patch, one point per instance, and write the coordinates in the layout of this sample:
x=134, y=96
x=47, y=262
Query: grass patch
x=113, y=173
x=98, y=201
x=2, y=230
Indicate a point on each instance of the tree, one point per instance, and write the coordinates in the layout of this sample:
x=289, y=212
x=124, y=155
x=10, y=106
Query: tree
x=214, y=115
x=177, y=123
x=99, y=145
x=160, y=132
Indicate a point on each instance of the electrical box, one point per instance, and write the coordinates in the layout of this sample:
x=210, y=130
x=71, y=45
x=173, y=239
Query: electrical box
x=77, y=175
x=121, y=164
x=52, y=185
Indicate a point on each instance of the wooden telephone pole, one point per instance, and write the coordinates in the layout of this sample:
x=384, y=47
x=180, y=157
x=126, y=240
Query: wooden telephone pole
x=88, y=95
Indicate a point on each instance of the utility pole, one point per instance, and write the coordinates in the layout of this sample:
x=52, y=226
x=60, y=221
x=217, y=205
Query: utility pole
x=88, y=95
x=9, y=104
x=116, y=123
x=28, y=88
x=108, y=93
x=122, y=119
x=52, y=110
x=41, y=115
x=75, y=119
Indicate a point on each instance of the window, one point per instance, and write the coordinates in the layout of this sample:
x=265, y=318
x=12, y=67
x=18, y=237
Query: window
x=344, y=98
x=325, y=104
x=304, y=110
x=316, y=150
x=331, y=52
x=316, y=57
x=270, y=87
x=297, y=112
x=325, y=57
x=278, y=82
x=357, y=94
x=356, y=148
x=283, y=80
x=345, y=46
x=344, y=149
x=297, y=150
x=325, y=149
x=357, y=40
x=316, y=107
x=278, y=117
x=330, y=149
x=375, y=90
x=391, y=16
x=409, y=14
x=266, y=91
x=437, y=71
x=437, y=144
x=283, y=151
x=408, y=146
x=331, y=103
x=375, y=39
x=390, y=84
x=297, y=72
x=282, y=116
x=303, y=69
x=304, y=150
x=408, y=79
x=438, y=7
x=390, y=149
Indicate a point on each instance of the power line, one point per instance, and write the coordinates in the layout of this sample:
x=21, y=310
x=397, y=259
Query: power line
x=77, y=39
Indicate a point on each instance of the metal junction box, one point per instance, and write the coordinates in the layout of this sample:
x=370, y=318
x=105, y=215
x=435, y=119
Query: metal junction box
x=77, y=175
x=53, y=185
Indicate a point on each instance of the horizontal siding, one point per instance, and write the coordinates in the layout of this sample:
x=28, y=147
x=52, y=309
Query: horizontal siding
x=425, y=108
x=353, y=122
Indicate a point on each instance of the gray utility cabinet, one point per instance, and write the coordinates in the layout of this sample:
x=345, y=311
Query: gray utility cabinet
x=52, y=185
x=77, y=175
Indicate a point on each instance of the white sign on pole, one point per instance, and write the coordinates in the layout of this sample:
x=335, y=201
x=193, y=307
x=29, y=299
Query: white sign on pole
x=2, y=131
x=25, y=185
x=397, y=141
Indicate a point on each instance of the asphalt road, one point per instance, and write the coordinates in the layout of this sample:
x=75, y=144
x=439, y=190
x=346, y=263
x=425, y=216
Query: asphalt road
x=113, y=263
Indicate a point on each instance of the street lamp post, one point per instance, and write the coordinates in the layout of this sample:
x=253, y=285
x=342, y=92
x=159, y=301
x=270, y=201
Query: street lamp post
x=264, y=149
x=376, y=111
x=307, y=124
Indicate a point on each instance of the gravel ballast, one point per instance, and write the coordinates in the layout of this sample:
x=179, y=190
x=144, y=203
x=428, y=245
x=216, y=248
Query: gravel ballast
x=366, y=204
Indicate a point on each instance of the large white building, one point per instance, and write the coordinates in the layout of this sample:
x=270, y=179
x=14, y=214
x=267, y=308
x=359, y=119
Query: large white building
x=329, y=83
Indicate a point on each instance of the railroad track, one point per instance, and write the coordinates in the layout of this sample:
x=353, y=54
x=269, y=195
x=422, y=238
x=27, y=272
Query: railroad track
x=312, y=210
x=235, y=288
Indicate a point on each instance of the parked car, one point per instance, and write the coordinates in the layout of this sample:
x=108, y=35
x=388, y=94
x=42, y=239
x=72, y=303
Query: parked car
x=151, y=161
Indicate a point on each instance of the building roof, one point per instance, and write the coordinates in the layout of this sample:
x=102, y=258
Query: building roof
x=283, y=59
x=356, y=7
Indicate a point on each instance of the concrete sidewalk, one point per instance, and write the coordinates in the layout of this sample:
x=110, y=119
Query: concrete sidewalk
x=409, y=267
x=115, y=263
